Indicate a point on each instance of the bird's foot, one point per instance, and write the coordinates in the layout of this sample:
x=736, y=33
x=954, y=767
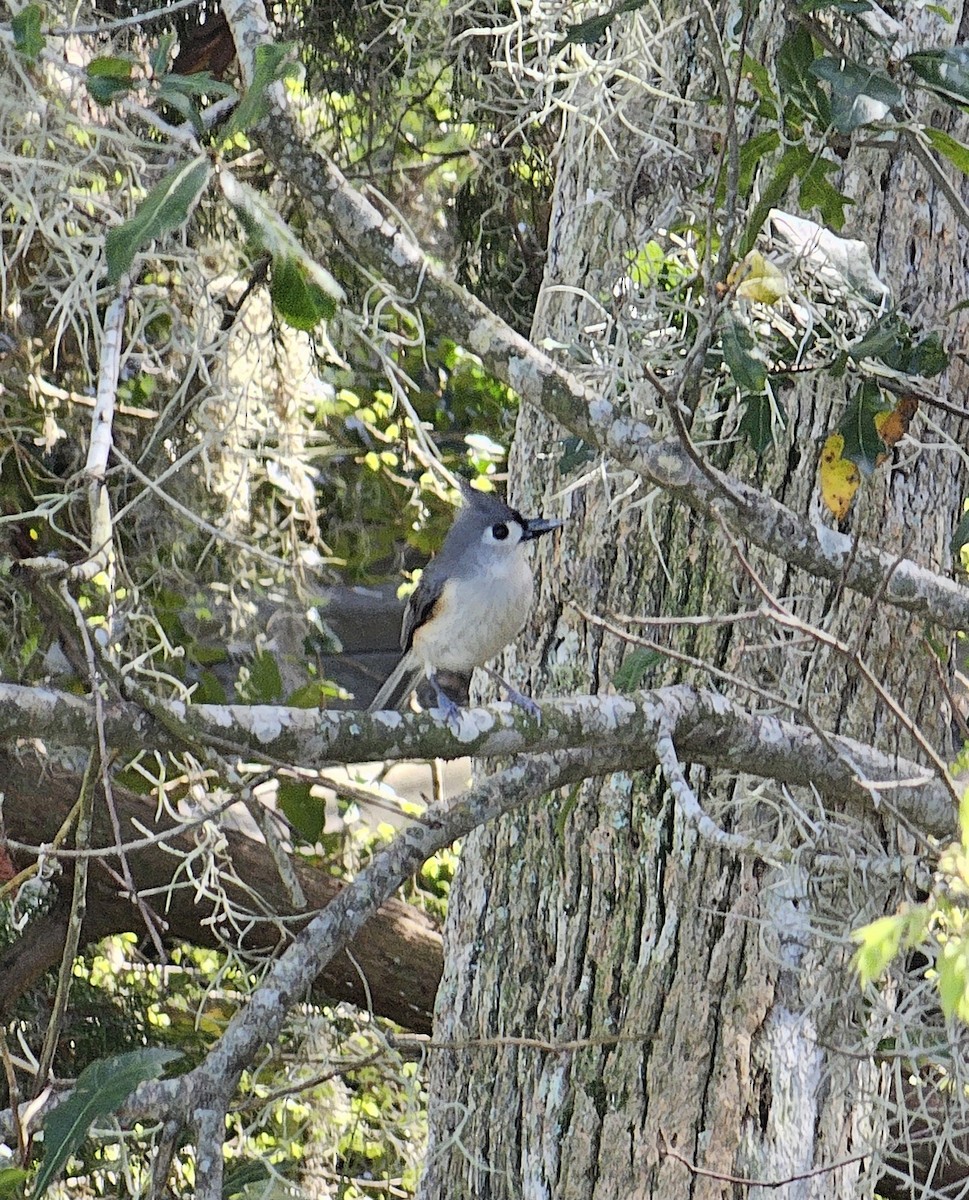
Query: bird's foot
x=450, y=712
x=526, y=703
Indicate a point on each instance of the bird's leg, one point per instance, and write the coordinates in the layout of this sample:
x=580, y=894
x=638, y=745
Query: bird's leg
x=448, y=709
x=516, y=697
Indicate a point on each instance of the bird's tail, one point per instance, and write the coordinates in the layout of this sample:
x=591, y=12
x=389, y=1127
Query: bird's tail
x=401, y=682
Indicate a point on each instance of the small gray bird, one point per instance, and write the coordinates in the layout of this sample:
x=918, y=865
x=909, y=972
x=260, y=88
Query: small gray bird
x=471, y=601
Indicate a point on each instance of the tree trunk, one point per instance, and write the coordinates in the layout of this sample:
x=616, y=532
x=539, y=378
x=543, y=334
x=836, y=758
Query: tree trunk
x=688, y=1013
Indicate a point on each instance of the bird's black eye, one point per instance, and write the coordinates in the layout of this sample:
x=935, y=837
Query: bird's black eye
x=499, y=532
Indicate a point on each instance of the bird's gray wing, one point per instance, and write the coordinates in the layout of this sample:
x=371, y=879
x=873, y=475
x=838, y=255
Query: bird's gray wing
x=408, y=672
x=420, y=607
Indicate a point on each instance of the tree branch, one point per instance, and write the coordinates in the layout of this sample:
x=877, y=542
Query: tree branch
x=261, y=1019
x=397, y=964
x=708, y=729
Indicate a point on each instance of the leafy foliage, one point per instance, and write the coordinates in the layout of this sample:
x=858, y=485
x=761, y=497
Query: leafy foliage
x=166, y=207
x=101, y=1088
x=937, y=928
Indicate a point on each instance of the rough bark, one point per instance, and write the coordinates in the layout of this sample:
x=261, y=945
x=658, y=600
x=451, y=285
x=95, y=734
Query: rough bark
x=701, y=998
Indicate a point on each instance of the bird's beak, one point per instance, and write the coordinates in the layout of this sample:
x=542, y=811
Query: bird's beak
x=535, y=528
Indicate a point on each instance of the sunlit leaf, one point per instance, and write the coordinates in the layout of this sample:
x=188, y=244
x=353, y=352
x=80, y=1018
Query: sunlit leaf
x=952, y=966
x=878, y=944
x=11, y=1181
x=101, y=1088
x=954, y=151
x=166, y=207
x=757, y=278
x=838, y=477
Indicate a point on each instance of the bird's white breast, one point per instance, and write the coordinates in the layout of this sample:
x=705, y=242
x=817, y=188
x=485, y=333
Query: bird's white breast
x=477, y=618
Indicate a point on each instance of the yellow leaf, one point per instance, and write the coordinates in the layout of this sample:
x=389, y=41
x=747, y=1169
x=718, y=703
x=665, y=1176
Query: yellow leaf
x=759, y=279
x=839, y=477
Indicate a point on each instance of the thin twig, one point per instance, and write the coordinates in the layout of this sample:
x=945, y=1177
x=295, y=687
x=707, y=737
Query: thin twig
x=72, y=940
x=104, y=759
x=667, y=1151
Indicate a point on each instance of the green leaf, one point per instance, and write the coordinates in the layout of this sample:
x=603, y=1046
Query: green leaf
x=795, y=80
x=878, y=944
x=960, y=537
x=928, y=358
x=209, y=689
x=269, y=231
x=946, y=71
x=107, y=76
x=240, y=1177
x=954, y=151
x=858, y=94
x=27, y=38
x=201, y=83
x=757, y=423
x=793, y=161
x=952, y=966
x=11, y=1179
x=751, y=152
x=862, y=443
x=849, y=7
x=265, y=681
x=634, y=669
x=964, y=819
x=757, y=75
x=101, y=1088
x=304, y=811
x=166, y=207
x=749, y=372
x=885, y=337
x=272, y=63
x=818, y=192
x=298, y=299
x=590, y=31
x=890, y=340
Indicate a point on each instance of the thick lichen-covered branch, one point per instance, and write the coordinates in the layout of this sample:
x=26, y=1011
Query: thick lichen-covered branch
x=709, y=729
